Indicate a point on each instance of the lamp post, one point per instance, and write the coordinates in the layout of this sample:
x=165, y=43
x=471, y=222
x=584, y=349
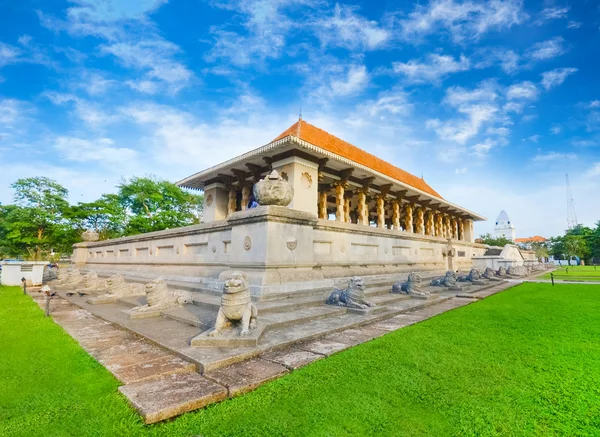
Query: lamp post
x=24, y=281
x=552, y=277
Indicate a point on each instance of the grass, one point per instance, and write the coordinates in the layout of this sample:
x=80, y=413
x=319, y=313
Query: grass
x=520, y=363
x=574, y=273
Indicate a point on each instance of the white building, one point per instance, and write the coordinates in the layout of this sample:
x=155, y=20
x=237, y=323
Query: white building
x=504, y=228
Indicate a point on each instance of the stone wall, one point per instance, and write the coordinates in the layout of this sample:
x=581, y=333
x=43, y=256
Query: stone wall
x=280, y=249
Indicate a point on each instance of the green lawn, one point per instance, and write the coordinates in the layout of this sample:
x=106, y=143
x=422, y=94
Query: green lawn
x=523, y=362
x=575, y=273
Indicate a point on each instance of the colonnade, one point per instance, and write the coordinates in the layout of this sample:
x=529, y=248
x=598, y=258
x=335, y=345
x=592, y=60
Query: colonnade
x=389, y=212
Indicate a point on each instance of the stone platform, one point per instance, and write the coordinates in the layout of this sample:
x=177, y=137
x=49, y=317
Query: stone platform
x=166, y=375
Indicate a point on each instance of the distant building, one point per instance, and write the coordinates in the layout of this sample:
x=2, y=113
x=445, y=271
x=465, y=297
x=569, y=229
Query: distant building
x=526, y=243
x=504, y=228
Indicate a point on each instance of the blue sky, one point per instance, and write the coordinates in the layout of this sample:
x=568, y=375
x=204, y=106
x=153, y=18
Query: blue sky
x=492, y=102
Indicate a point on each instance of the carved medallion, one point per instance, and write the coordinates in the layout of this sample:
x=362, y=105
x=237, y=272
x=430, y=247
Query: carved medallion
x=247, y=243
x=209, y=200
x=214, y=249
x=306, y=180
x=177, y=251
x=292, y=243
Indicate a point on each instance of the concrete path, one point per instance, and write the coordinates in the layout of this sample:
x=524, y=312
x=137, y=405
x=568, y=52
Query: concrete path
x=160, y=384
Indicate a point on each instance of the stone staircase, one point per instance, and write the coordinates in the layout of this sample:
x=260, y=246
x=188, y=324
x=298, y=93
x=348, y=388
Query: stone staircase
x=281, y=323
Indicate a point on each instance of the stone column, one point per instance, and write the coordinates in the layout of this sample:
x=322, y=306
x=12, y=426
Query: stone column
x=396, y=215
x=245, y=196
x=408, y=218
x=323, y=204
x=438, y=225
x=429, y=223
x=381, y=211
x=231, y=201
x=347, y=209
x=461, y=229
x=447, y=233
x=339, y=201
x=453, y=225
x=469, y=234
x=420, y=220
x=363, y=213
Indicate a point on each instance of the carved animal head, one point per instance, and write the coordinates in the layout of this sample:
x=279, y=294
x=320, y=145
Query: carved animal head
x=158, y=283
x=414, y=279
x=356, y=283
x=474, y=274
x=236, y=283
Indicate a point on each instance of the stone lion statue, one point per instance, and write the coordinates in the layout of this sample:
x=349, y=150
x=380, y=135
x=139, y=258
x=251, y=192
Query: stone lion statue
x=159, y=297
x=70, y=277
x=473, y=277
x=412, y=286
x=117, y=287
x=501, y=272
x=236, y=305
x=448, y=281
x=489, y=274
x=90, y=281
x=351, y=297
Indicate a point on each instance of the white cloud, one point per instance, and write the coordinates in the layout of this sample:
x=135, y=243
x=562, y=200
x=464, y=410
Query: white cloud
x=345, y=28
x=463, y=20
x=556, y=129
x=460, y=170
x=522, y=91
x=456, y=96
x=155, y=57
x=534, y=138
x=461, y=130
x=547, y=49
x=507, y=59
x=574, y=25
x=85, y=110
x=10, y=112
x=481, y=150
x=392, y=102
x=433, y=69
x=266, y=29
x=342, y=81
x=555, y=13
x=8, y=54
x=595, y=104
x=555, y=77
x=100, y=150
x=553, y=156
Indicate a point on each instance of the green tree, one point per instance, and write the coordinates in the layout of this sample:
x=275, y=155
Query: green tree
x=153, y=204
x=491, y=241
x=36, y=223
x=540, y=249
x=107, y=216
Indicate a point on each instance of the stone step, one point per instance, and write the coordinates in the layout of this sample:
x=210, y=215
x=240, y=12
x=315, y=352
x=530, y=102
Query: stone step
x=172, y=395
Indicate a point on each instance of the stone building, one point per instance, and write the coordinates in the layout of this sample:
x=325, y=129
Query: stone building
x=504, y=227
x=351, y=213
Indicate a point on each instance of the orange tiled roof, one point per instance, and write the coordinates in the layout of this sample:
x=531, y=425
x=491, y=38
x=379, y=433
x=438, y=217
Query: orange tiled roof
x=325, y=140
x=535, y=239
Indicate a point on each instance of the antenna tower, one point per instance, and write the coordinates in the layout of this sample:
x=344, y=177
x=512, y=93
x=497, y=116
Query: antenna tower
x=571, y=216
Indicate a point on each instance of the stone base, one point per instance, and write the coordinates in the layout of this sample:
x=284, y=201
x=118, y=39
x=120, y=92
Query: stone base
x=102, y=300
x=368, y=311
x=134, y=314
x=229, y=337
x=415, y=296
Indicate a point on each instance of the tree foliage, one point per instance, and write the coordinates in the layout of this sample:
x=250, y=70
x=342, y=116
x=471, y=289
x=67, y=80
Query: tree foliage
x=491, y=241
x=41, y=219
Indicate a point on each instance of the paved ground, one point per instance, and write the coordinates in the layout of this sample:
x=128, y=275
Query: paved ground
x=160, y=384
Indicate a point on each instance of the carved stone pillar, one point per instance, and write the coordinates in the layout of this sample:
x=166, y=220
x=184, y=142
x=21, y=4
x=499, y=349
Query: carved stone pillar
x=447, y=233
x=438, y=225
x=420, y=220
x=461, y=229
x=453, y=226
x=339, y=201
x=245, y=196
x=396, y=215
x=408, y=218
x=363, y=213
x=347, y=209
x=231, y=201
x=381, y=211
x=429, y=223
x=323, y=204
